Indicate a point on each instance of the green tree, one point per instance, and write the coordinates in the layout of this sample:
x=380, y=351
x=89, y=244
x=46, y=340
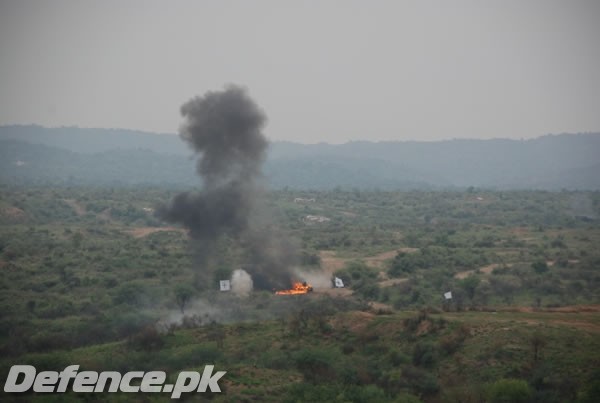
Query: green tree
x=591, y=389
x=510, y=391
x=317, y=365
x=540, y=266
x=538, y=341
x=183, y=293
x=470, y=284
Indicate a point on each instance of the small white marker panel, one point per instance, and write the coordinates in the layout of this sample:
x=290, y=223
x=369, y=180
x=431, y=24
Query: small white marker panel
x=225, y=285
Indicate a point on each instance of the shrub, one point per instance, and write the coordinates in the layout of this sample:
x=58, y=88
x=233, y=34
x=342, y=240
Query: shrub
x=47, y=341
x=539, y=266
x=196, y=356
x=361, y=278
x=591, y=389
x=420, y=380
x=452, y=342
x=128, y=323
x=47, y=362
x=316, y=365
x=183, y=294
x=424, y=354
x=335, y=393
x=510, y=391
x=132, y=293
x=147, y=339
x=470, y=284
x=275, y=359
x=396, y=357
x=407, y=398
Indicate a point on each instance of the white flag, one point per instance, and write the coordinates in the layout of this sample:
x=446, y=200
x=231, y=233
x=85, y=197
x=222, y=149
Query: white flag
x=225, y=285
x=448, y=295
x=339, y=283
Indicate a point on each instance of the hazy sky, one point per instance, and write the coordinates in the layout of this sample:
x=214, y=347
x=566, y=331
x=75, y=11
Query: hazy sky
x=323, y=70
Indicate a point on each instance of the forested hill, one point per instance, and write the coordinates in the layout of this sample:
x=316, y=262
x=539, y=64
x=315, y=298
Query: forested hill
x=34, y=154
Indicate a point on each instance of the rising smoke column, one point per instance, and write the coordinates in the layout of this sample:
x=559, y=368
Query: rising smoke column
x=224, y=128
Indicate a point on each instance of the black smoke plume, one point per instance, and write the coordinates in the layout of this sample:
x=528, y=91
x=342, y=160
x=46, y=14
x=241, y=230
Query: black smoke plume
x=224, y=128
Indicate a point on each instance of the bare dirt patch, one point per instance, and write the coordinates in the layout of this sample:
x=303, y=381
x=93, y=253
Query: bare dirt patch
x=105, y=215
x=330, y=263
x=145, y=231
x=355, y=321
x=76, y=206
x=590, y=327
x=392, y=282
x=560, y=309
x=379, y=307
x=13, y=213
x=484, y=270
x=584, y=317
x=520, y=230
x=348, y=213
x=334, y=292
x=424, y=327
x=378, y=260
x=407, y=250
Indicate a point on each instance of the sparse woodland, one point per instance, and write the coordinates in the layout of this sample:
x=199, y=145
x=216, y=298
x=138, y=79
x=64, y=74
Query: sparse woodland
x=89, y=275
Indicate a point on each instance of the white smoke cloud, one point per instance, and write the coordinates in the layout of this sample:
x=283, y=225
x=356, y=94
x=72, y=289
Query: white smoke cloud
x=241, y=283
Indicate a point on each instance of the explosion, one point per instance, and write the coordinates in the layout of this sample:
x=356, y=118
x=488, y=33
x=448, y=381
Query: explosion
x=224, y=129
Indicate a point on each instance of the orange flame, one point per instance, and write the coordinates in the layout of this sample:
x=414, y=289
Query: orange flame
x=298, y=288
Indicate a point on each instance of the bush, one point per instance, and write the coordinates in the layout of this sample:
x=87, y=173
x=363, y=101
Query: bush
x=275, y=359
x=197, y=355
x=539, y=266
x=361, y=278
x=450, y=343
x=132, y=293
x=336, y=393
x=317, y=365
x=591, y=390
x=303, y=392
x=147, y=339
x=365, y=394
x=56, y=309
x=420, y=380
x=424, y=354
x=47, y=341
x=396, y=357
x=128, y=323
x=356, y=272
x=407, y=398
x=469, y=285
x=510, y=391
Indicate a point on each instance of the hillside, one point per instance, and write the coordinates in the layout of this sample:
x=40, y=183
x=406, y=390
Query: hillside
x=91, y=277
x=112, y=156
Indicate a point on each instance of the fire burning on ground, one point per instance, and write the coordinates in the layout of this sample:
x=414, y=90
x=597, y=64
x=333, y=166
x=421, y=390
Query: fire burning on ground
x=297, y=288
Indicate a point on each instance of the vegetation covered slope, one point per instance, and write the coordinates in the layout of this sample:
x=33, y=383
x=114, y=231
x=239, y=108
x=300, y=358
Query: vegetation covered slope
x=90, y=276
x=118, y=157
